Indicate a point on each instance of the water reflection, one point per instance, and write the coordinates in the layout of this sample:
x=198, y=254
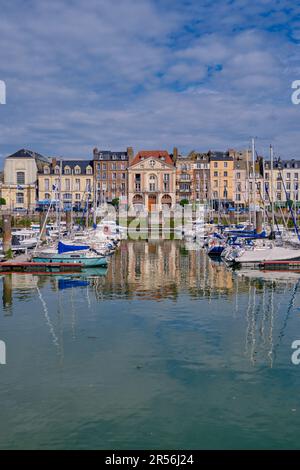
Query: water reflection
x=161, y=270
x=166, y=342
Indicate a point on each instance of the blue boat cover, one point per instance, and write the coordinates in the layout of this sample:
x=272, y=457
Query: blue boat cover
x=62, y=248
x=69, y=283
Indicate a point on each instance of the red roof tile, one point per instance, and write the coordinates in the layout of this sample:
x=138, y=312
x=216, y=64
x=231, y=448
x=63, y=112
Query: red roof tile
x=157, y=154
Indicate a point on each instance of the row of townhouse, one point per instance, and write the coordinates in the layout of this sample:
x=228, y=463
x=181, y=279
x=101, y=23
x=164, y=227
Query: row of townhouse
x=153, y=177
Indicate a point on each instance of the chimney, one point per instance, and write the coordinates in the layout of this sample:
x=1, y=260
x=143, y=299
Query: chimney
x=54, y=162
x=130, y=155
x=175, y=154
x=95, y=153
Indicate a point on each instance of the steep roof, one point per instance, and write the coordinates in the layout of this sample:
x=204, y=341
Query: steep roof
x=25, y=153
x=162, y=155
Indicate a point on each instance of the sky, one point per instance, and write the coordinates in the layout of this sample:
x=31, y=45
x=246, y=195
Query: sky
x=151, y=74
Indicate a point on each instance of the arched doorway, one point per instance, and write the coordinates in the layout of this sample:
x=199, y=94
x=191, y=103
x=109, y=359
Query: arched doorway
x=166, y=201
x=151, y=201
x=138, y=202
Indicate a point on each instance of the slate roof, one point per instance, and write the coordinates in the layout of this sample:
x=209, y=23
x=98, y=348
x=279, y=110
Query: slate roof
x=83, y=164
x=25, y=153
x=283, y=164
x=108, y=155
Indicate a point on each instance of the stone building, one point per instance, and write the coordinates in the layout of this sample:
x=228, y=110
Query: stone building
x=286, y=177
x=111, y=176
x=152, y=180
x=201, y=176
x=74, y=177
x=184, y=177
x=19, y=186
x=221, y=177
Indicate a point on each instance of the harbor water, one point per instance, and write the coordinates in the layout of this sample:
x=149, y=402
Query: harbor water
x=166, y=349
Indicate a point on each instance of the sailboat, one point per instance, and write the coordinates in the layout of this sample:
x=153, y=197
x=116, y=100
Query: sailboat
x=81, y=254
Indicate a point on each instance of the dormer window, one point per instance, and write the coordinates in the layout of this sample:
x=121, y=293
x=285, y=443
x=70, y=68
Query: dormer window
x=114, y=157
x=57, y=170
x=123, y=157
x=89, y=170
x=46, y=170
x=77, y=170
x=67, y=170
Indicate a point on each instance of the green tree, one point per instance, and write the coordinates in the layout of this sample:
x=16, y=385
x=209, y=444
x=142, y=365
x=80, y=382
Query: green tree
x=115, y=202
x=184, y=202
x=2, y=201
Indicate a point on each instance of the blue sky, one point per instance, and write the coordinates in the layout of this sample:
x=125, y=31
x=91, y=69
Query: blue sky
x=149, y=74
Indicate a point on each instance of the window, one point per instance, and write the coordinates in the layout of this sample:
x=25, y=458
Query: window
x=215, y=183
x=20, y=177
x=225, y=174
x=215, y=174
x=123, y=166
x=266, y=176
x=152, y=183
x=225, y=183
x=20, y=198
x=238, y=176
x=288, y=185
x=47, y=196
x=46, y=185
x=278, y=185
x=225, y=164
x=215, y=164
x=113, y=166
x=104, y=176
x=88, y=185
x=77, y=197
x=67, y=185
x=114, y=176
x=166, y=177
x=296, y=176
x=123, y=176
x=103, y=166
x=67, y=170
x=77, y=184
x=288, y=175
x=77, y=170
x=46, y=170
x=67, y=196
x=89, y=170
x=57, y=170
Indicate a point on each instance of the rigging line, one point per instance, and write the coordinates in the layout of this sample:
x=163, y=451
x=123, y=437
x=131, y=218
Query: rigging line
x=48, y=321
x=290, y=306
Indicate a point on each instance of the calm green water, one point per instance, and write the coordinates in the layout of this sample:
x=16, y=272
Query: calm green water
x=165, y=350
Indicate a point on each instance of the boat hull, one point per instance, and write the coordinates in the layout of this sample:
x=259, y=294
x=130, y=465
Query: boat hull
x=87, y=262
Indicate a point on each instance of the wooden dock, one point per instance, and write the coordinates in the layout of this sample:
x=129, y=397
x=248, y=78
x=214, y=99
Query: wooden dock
x=31, y=267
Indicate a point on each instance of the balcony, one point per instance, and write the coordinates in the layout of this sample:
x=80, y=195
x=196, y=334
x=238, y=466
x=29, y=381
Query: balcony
x=184, y=178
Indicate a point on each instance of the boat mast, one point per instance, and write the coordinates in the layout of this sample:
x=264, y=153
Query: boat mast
x=254, y=184
x=60, y=202
x=247, y=185
x=272, y=187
